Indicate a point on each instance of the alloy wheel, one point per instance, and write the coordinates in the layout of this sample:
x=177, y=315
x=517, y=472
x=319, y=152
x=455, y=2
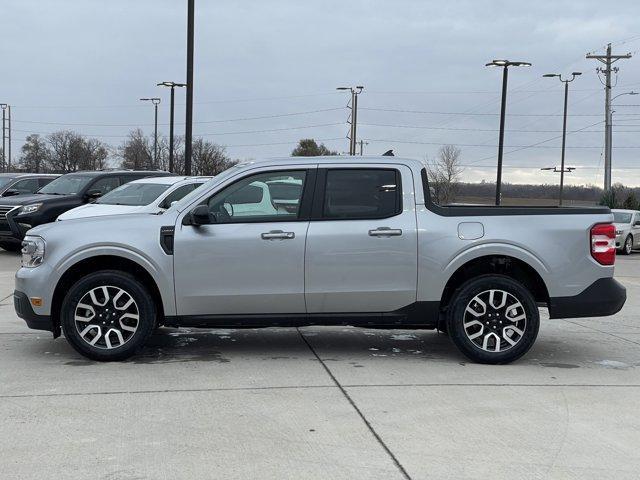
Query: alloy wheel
x=495, y=321
x=106, y=317
x=628, y=246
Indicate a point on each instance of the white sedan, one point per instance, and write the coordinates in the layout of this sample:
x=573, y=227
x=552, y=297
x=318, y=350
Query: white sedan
x=150, y=195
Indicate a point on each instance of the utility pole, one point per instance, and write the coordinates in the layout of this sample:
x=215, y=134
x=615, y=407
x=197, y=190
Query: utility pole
x=504, y=64
x=155, y=101
x=564, y=123
x=608, y=60
x=171, y=85
x=355, y=91
x=188, y=130
x=362, y=143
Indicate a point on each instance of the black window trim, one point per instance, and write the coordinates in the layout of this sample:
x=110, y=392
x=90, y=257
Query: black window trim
x=304, y=212
x=317, y=210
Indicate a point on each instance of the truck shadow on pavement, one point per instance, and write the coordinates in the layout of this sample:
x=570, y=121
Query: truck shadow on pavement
x=358, y=348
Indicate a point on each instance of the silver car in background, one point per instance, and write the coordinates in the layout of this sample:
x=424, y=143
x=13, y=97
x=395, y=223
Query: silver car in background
x=627, y=224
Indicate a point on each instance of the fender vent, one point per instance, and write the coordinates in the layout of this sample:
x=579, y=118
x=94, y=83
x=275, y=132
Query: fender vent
x=166, y=239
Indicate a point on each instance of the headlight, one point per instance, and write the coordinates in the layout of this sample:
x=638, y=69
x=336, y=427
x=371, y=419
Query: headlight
x=618, y=232
x=34, y=207
x=32, y=251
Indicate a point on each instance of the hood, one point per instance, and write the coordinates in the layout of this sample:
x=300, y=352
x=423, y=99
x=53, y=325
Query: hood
x=98, y=210
x=28, y=198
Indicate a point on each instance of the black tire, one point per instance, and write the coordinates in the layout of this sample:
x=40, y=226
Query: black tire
x=11, y=246
x=113, y=280
x=627, y=246
x=475, y=289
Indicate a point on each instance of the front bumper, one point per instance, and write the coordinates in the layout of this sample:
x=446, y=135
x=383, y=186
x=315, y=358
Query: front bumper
x=13, y=228
x=603, y=297
x=25, y=311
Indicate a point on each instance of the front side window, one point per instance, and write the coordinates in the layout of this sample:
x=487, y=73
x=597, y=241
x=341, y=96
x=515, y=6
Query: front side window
x=178, y=194
x=251, y=200
x=362, y=194
x=105, y=185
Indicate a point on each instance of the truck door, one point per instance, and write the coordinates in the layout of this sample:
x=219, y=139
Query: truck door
x=361, y=252
x=250, y=258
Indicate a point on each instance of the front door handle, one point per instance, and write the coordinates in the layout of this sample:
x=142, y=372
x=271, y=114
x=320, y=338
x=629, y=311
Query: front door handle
x=385, y=232
x=277, y=235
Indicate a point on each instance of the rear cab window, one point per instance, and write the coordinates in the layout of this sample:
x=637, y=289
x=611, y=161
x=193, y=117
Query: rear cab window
x=360, y=194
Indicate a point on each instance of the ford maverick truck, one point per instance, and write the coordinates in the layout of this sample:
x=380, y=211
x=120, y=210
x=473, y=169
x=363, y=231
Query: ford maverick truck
x=319, y=241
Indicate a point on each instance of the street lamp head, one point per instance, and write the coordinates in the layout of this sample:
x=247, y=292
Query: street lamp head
x=551, y=75
x=343, y=88
x=575, y=74
x=507, y=63
x=3, y=105
x=360, y=87
x=171, y=84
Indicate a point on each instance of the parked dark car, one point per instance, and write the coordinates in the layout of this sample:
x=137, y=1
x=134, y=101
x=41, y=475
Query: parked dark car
x=19, y=214
x=23, y=183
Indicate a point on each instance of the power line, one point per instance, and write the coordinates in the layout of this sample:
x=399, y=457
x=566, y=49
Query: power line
x=483, y=114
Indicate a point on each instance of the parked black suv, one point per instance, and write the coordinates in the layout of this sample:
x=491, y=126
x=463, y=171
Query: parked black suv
x=23, y=183
x=19, y=214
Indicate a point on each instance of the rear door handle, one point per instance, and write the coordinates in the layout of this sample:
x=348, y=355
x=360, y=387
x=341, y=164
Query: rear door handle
x=385, y=232
x=277, y=235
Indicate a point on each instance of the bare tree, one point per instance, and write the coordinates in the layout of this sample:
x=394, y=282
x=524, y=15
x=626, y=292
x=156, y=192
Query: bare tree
x=209, y=158
x=35, y=155
x=136, y=151
x=444, y=174
x=61, y=145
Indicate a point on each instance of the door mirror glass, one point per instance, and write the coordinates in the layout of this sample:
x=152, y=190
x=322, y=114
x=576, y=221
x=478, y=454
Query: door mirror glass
x=200, y=216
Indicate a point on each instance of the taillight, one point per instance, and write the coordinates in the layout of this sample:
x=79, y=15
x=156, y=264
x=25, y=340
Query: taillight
x=603, y=243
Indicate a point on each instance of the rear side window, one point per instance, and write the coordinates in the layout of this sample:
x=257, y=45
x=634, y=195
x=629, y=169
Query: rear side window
x=362, y=194
x=178, y=194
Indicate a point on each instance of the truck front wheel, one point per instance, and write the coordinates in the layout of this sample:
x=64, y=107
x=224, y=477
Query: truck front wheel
x=108, y=315
x=493, y=319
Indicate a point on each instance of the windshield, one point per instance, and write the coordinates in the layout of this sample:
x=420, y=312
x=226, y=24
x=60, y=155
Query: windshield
x=4, y=181
x=134, y=194
x=66, y=185
x=622, y=217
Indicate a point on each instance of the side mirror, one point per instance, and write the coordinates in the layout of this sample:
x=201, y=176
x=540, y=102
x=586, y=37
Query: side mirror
x=93, y=194
x=199, y=216
x=637, y=224
x=11, y=193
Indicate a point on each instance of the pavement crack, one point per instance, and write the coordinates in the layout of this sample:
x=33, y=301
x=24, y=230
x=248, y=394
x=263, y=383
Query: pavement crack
x=602, y=331
x=378, y=438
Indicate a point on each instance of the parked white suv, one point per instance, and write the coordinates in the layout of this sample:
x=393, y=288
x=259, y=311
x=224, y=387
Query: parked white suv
x=627, y=224
x=147, y=195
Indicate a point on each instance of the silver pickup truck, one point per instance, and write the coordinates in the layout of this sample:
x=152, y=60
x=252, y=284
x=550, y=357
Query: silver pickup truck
x=342, y=241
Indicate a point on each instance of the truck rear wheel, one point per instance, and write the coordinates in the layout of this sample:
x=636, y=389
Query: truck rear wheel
x=493, y=319
x=108, y=315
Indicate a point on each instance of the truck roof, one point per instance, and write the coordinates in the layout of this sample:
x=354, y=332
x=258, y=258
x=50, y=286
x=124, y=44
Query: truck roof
x=346, y=159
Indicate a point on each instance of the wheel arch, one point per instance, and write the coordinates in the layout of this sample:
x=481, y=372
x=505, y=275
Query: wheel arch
x=498, y=264
x=97, y=263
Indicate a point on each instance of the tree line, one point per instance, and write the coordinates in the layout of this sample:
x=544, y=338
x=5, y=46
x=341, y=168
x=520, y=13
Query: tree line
x=66, y=151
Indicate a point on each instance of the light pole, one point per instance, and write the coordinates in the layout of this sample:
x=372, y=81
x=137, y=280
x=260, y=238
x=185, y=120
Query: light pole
x=355, y=91
x=188, y=129
x=609, y=135
x=155, y=101
x=564, y=122
x=505, y=64
x=4, y=122
x=171, y=85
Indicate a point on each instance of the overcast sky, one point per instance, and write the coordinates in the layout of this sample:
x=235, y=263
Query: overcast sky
x=83, y=64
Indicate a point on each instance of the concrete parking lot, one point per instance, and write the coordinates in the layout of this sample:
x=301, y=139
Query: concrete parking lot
x=323, y=403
